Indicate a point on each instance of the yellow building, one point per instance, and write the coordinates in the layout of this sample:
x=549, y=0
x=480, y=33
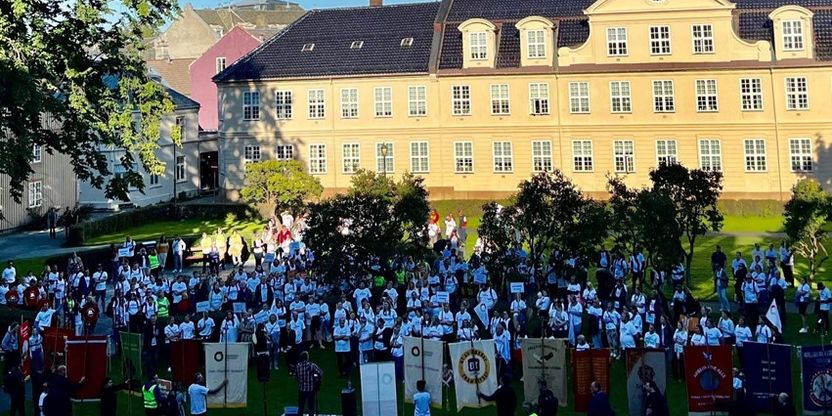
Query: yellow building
x=477, y=95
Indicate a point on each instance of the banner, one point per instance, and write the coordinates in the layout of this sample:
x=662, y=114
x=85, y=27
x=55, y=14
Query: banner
x=184, y=360
x=544, y=360
x=644, y=365
x=423, y=361
x=87, y=357
x=378, y=389
x=816, y=363
x=768, y=372
x=131, y=353
x=24, y=332
x=709, y=378
x=589, y=366
x=227, y=361
x=54, y=344
x=475, y=370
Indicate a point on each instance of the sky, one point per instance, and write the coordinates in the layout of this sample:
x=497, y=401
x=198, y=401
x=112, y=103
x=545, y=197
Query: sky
x=306, y=4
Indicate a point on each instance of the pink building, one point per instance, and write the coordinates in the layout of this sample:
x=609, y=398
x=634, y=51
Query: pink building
x=231, y=47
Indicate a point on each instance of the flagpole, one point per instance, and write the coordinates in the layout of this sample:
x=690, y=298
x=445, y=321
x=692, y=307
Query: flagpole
x=225, y=363
x=476, y=375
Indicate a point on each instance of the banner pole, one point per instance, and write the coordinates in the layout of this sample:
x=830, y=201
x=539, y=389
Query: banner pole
x=225, y=363
x=422, y=340
x=476, y=377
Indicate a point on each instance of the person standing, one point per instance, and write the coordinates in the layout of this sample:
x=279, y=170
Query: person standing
x=179, y=248
x=421, y=400
x=199, y=394
x=109, y=396
x=824, y=304
x=599, y=405
x=10, y=347
x=309, y=377
x=52, y=222
x=341, y=334
x=152, y=396
x=162, y=249
x=14, y=384
x=504, y=397
x=656, y=403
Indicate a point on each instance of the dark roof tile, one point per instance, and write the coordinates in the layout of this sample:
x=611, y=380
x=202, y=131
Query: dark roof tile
x=451, y=48
x=508, y=53
x=572, y=32
x=462, y=10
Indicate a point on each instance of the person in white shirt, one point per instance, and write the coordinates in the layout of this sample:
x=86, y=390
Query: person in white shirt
x=576, y=312
x=651, y=338
x=726, y=327
x=611, y=319
x=272, y=328
x=487, y=296
x=10, y=273
x=360, y=294
x=763, y=333
x=518, y=308
x=713, y=335
x=742, y=333
x=628, y=333
x=802, y=297
x=187, y=328
x=100, y=278
x=341, y=334
x=680, y=340
x=698, y=338
x=44, y=318
x=582, y=345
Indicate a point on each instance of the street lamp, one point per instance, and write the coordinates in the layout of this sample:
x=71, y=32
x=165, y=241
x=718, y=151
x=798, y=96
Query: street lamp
x=384, y=150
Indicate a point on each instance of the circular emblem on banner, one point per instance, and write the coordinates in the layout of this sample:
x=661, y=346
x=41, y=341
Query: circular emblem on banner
x=387, y=379
x=415, y=351
x=474, y=367
x=219, y=356
x=709, y=380
x=90, y=314
x=821, y=393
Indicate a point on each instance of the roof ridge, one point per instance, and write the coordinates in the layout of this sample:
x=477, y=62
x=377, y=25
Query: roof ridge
x=386, y=6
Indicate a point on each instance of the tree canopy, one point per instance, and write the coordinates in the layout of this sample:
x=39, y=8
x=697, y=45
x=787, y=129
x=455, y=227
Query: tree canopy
x=279, y=185
x=74, y=81
x=805, y=215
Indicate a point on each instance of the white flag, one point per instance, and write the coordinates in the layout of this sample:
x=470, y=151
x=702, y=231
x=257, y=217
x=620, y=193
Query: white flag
x=773, y=316
x=378, y=389
x=475, y=370
x=423, y=361
x=227, y=362
x=544, y=360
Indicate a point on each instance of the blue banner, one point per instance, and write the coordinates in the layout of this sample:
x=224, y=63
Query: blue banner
x=816, y=363
x=768, y=372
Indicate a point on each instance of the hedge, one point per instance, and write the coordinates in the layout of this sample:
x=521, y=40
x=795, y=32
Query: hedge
x=80, y=233
x=751, y=207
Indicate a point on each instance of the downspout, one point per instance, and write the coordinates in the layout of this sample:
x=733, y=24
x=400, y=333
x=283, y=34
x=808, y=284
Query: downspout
x=556, y=91
x=776, y=135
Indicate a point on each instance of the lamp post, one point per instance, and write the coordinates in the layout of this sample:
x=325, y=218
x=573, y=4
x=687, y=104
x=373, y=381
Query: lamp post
x=384, y=151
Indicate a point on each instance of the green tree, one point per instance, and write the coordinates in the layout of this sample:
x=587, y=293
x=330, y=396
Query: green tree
x=694, y=193
x=279, y=184
x=805, y=214
x=74, y=82
x=367, y=182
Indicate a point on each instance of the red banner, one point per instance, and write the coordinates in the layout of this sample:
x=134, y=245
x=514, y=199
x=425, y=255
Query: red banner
x=87, y=357
x=709, y=379
x=184, y=360
x=589, y=366
x=54, y=342
x=25, y=331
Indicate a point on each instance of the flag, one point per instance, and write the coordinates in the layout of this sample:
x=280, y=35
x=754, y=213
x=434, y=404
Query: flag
x=816, y=363
x=643, y=365
x=589, y=366
x=54, y=344
x=227, y=361
x=131, y=353
x=768, y=372
x=709, y=378
x=423, y=361
x=87, y=357
x=544, y=360
x=24, y=332
x=378, y=389
x=773, y=316
x=184, y=360
x=475, y=370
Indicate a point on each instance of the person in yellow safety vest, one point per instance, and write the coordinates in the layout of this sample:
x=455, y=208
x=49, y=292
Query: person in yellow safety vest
x=162, y=305
x=152, y=396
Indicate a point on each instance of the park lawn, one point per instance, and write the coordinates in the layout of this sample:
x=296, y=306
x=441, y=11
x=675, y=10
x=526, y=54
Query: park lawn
x=186, y=227
x=752, y=224
x=26, y=265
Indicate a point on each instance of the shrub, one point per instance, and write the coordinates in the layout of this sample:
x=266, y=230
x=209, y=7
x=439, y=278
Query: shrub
x=750, y=207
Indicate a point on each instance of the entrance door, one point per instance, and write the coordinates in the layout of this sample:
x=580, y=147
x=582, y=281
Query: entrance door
x=208, y=171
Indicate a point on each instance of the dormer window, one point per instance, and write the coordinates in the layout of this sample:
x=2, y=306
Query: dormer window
x=358, y=44
x=308, y=47
x=479, y=43
x=478, y=46
x=537, y=43
x=407, y=42
x=792, y=35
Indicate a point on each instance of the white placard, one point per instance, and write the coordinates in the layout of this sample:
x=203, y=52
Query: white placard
x=378, y=389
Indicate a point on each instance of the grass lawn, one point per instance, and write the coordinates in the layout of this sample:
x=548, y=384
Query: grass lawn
x=753, y=223
x=187, y=227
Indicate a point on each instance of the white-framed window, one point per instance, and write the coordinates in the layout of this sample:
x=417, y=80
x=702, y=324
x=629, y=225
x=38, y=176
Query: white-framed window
x=349, y=102
x=251, y=105
x=461, y=100
x=350, y=157
x=463, y=157
x=616, y=41
x=284, y=152
x=220, y=64
x=180, y=126
x=539, y=98
x=503, y=157
x=536, y=43
x=797, y=93
x=703, y=38
x=180, y=172
x=660, y=40
x=582, y=156
x=153, y=180
x=251, y=154
x=417, y=101
x=419, y=157
x=751, y=94
x=542, y=156
x=792, y=35
x=35, y=194
x=316, y=100
x=383, y=101
x=500, y=101
x=755, y=155
x=663, y=98
x=710, y=155
x=666, y=152
x=385, y=164
x=706, y=96
x=624, y=156
x=283, y=104
x=37, y=153
x=578, y=97
x=620, y=99
x=800, y=154
x=317, y=159
x=478, y=46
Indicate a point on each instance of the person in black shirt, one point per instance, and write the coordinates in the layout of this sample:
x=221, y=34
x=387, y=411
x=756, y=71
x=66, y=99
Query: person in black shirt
x=14, y=384
x=109, y=396
x=504, y=396
x=656, y=404
x=547, y=403
x=600, y=403
x=718, y=259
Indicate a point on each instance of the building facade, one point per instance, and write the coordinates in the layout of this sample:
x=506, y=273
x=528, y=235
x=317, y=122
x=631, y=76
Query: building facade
x=477, y=95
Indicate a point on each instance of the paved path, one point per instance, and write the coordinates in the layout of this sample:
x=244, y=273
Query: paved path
x=35, y=244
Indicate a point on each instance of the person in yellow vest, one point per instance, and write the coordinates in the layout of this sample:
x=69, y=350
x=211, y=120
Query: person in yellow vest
x=162, y=305
x=205, y=244
x=152, y=396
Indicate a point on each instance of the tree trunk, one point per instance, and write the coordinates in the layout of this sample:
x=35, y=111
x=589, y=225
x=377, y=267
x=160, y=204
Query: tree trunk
x=689, y=261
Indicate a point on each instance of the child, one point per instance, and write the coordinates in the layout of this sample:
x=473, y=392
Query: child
x=421, y=400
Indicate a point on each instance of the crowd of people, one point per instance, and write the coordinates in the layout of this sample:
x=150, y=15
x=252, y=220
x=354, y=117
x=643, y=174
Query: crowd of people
x=289, y=309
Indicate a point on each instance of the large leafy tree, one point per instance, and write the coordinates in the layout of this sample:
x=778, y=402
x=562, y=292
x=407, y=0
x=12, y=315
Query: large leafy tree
x=72, y=80
x=694, y=194
x=279, y=184
x=805, y=214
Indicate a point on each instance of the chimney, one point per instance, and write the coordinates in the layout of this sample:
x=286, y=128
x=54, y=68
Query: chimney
x=376, y=3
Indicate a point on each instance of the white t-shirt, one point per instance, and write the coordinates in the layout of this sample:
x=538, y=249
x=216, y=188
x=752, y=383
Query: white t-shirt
x=199, y=399
x=342, y=345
